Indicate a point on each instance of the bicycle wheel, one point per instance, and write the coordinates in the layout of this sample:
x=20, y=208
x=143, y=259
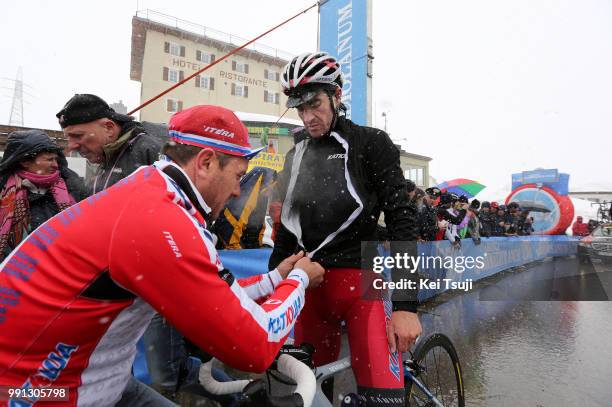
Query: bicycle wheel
x=438, y=369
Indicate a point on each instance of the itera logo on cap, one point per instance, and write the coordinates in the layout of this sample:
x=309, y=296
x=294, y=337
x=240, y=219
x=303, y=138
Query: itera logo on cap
x=219, y=132
x=215, y=127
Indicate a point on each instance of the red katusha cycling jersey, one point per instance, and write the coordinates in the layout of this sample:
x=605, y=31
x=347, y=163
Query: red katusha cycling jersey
x=78, y=293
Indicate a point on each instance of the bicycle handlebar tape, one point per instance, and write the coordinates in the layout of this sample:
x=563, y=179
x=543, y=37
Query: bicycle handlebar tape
x=219, y=388
x=302, y=375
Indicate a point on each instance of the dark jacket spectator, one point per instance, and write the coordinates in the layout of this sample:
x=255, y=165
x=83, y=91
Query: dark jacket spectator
x=499, y=225
x=525, y=224
x=428, y=222
x=427, y=216
x=114, y=141
x=132, y=149
x=35, y=185
x=487, y=220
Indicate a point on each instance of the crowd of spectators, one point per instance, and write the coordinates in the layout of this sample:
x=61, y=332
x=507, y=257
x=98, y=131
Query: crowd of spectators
x=444, y=215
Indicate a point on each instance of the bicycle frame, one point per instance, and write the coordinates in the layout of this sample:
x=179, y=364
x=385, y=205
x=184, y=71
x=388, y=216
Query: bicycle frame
x=325, y=372
x=331, y=369
x=409, y=376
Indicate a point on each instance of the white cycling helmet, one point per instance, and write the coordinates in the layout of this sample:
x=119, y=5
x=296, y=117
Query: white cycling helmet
x=306, y=74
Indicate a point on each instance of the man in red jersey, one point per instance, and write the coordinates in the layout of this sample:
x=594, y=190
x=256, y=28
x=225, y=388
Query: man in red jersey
x=79, y=292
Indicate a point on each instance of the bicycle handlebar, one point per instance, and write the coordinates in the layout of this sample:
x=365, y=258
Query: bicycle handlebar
x=301, y=375
x=297, y=371
x=219, y=388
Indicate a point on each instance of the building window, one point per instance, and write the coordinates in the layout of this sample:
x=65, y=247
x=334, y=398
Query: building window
x=205, y=57
x=240, y=67
x=205, y=82
x=415, y=175
x=174, y=105
x=271, y=75
x=240, y=90
x=271, y=97
x=173, y=75
x=174, y=49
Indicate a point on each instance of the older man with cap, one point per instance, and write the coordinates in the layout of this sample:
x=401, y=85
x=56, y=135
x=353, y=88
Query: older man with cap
x=114, y=141
x=93, y=294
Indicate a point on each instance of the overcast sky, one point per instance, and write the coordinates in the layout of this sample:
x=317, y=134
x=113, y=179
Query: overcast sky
x=486, y=88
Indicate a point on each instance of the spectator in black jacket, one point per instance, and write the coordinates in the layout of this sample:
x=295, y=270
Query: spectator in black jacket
x=114, y=141
x=512, y=213
x=487, y=219
x=524, y=223
x=428, y=221
x=499, y=228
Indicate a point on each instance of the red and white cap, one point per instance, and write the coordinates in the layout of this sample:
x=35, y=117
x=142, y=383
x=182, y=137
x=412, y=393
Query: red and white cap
x=215, y=127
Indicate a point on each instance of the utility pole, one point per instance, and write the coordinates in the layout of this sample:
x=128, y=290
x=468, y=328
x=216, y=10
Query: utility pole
x=16, y=117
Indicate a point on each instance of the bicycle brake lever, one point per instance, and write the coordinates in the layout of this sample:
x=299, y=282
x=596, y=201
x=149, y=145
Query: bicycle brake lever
x=255, y=393
x=303, y=353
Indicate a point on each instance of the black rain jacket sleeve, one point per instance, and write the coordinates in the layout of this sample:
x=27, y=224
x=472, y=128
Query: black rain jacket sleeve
x=382, y=162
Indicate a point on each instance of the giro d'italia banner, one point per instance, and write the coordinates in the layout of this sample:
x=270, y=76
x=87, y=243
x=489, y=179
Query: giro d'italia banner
x=343, y=33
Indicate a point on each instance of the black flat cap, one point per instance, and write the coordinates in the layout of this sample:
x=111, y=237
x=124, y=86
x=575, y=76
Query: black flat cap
x=85, y=108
